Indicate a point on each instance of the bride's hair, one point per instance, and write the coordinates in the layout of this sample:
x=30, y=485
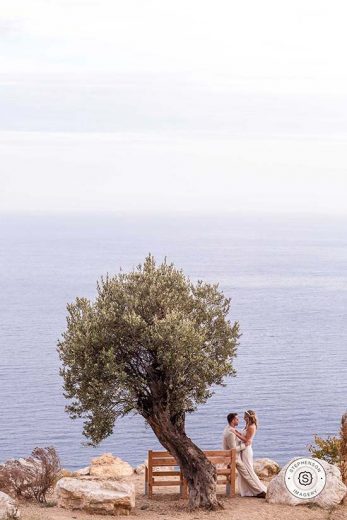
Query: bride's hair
x=251, y=417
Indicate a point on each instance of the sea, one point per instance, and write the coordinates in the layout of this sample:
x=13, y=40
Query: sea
x=286, y=276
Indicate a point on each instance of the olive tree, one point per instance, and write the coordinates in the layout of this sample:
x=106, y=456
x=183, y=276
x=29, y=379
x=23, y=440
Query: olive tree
x=152, y=342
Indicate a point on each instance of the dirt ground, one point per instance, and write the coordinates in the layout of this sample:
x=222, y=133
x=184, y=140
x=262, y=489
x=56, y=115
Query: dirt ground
x=166, y=504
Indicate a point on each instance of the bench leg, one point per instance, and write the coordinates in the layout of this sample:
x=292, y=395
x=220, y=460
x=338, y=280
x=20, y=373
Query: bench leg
x=183, y=486
x=233, y=475
x=185, y=489
x=146, y=480
x=233, y=485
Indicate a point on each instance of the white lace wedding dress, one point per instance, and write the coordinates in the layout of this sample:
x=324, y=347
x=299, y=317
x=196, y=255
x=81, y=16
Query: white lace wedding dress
x=247, y=459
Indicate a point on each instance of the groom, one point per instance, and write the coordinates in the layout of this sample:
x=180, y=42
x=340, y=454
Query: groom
x=230, y=441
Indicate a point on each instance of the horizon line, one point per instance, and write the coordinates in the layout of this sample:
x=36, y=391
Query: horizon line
x=171, y=213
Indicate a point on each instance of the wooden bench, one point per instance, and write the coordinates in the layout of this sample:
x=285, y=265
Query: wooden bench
x=162, y=465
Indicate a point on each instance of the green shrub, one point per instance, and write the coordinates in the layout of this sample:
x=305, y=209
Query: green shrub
x=328, y=449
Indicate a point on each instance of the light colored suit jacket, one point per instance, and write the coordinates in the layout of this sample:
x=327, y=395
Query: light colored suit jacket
x=230, y=441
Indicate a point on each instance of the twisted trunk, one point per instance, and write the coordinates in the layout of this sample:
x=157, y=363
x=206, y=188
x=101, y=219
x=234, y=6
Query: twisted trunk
x=198, y=471
x=344, y=448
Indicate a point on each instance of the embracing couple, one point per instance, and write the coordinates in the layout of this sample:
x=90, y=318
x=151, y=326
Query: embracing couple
x=248, y=483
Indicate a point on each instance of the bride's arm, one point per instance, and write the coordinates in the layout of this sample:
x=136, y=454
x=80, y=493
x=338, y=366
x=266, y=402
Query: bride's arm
x=245, y=438
x=240, y=436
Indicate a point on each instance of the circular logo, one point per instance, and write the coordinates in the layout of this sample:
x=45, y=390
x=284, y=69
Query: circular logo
x=305, y=478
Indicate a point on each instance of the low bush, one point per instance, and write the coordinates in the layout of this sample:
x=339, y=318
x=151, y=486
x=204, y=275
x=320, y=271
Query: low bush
x=33, y=477
x=328, y=449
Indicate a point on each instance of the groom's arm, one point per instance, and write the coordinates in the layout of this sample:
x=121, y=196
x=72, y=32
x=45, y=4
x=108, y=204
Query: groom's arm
x=231, y=442
x=242, y=446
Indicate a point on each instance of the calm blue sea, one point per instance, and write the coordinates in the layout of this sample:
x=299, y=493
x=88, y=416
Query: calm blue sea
x=287, y=277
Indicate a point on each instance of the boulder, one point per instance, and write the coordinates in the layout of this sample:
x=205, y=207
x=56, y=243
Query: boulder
x=106, y=497
x=65, y=473
x=8, y=508
x=109, y=467
x=83, y=472
x=265, y=468
x=139, y=470
x=331, y=495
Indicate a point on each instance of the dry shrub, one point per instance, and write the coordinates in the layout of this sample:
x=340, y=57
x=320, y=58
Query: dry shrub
x=33, y=477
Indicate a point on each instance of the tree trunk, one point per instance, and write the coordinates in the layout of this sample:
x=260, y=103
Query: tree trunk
x=198, y=471
x=344, y=448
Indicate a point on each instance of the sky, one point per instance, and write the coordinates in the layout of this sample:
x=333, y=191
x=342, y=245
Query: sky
x=173, y=106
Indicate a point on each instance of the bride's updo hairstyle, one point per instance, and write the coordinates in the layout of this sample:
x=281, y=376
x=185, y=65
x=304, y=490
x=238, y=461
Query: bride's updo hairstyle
x=251, y=417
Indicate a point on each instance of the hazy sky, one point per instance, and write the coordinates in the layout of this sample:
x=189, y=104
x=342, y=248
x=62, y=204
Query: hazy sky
x=155, y=105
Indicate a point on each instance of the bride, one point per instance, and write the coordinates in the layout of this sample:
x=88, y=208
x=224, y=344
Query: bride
x=247, y=436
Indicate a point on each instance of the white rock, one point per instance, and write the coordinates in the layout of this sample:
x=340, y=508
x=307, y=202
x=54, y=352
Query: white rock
x=8, y=507
x=65, y=473
x=109, y=467
x=265, y=468
x=82, y=472
x=330, y=496
x=96, y=496
x=33, y=463
x=140, y=469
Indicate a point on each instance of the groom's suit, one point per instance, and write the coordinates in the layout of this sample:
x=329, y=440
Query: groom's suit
x=230, y=441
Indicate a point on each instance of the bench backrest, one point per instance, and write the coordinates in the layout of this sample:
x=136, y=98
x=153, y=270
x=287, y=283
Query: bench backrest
x=161, y=458
x=164, y=458
x=163, y=464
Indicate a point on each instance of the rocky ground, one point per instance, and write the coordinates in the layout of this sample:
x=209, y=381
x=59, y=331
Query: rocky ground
x=166, y=504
